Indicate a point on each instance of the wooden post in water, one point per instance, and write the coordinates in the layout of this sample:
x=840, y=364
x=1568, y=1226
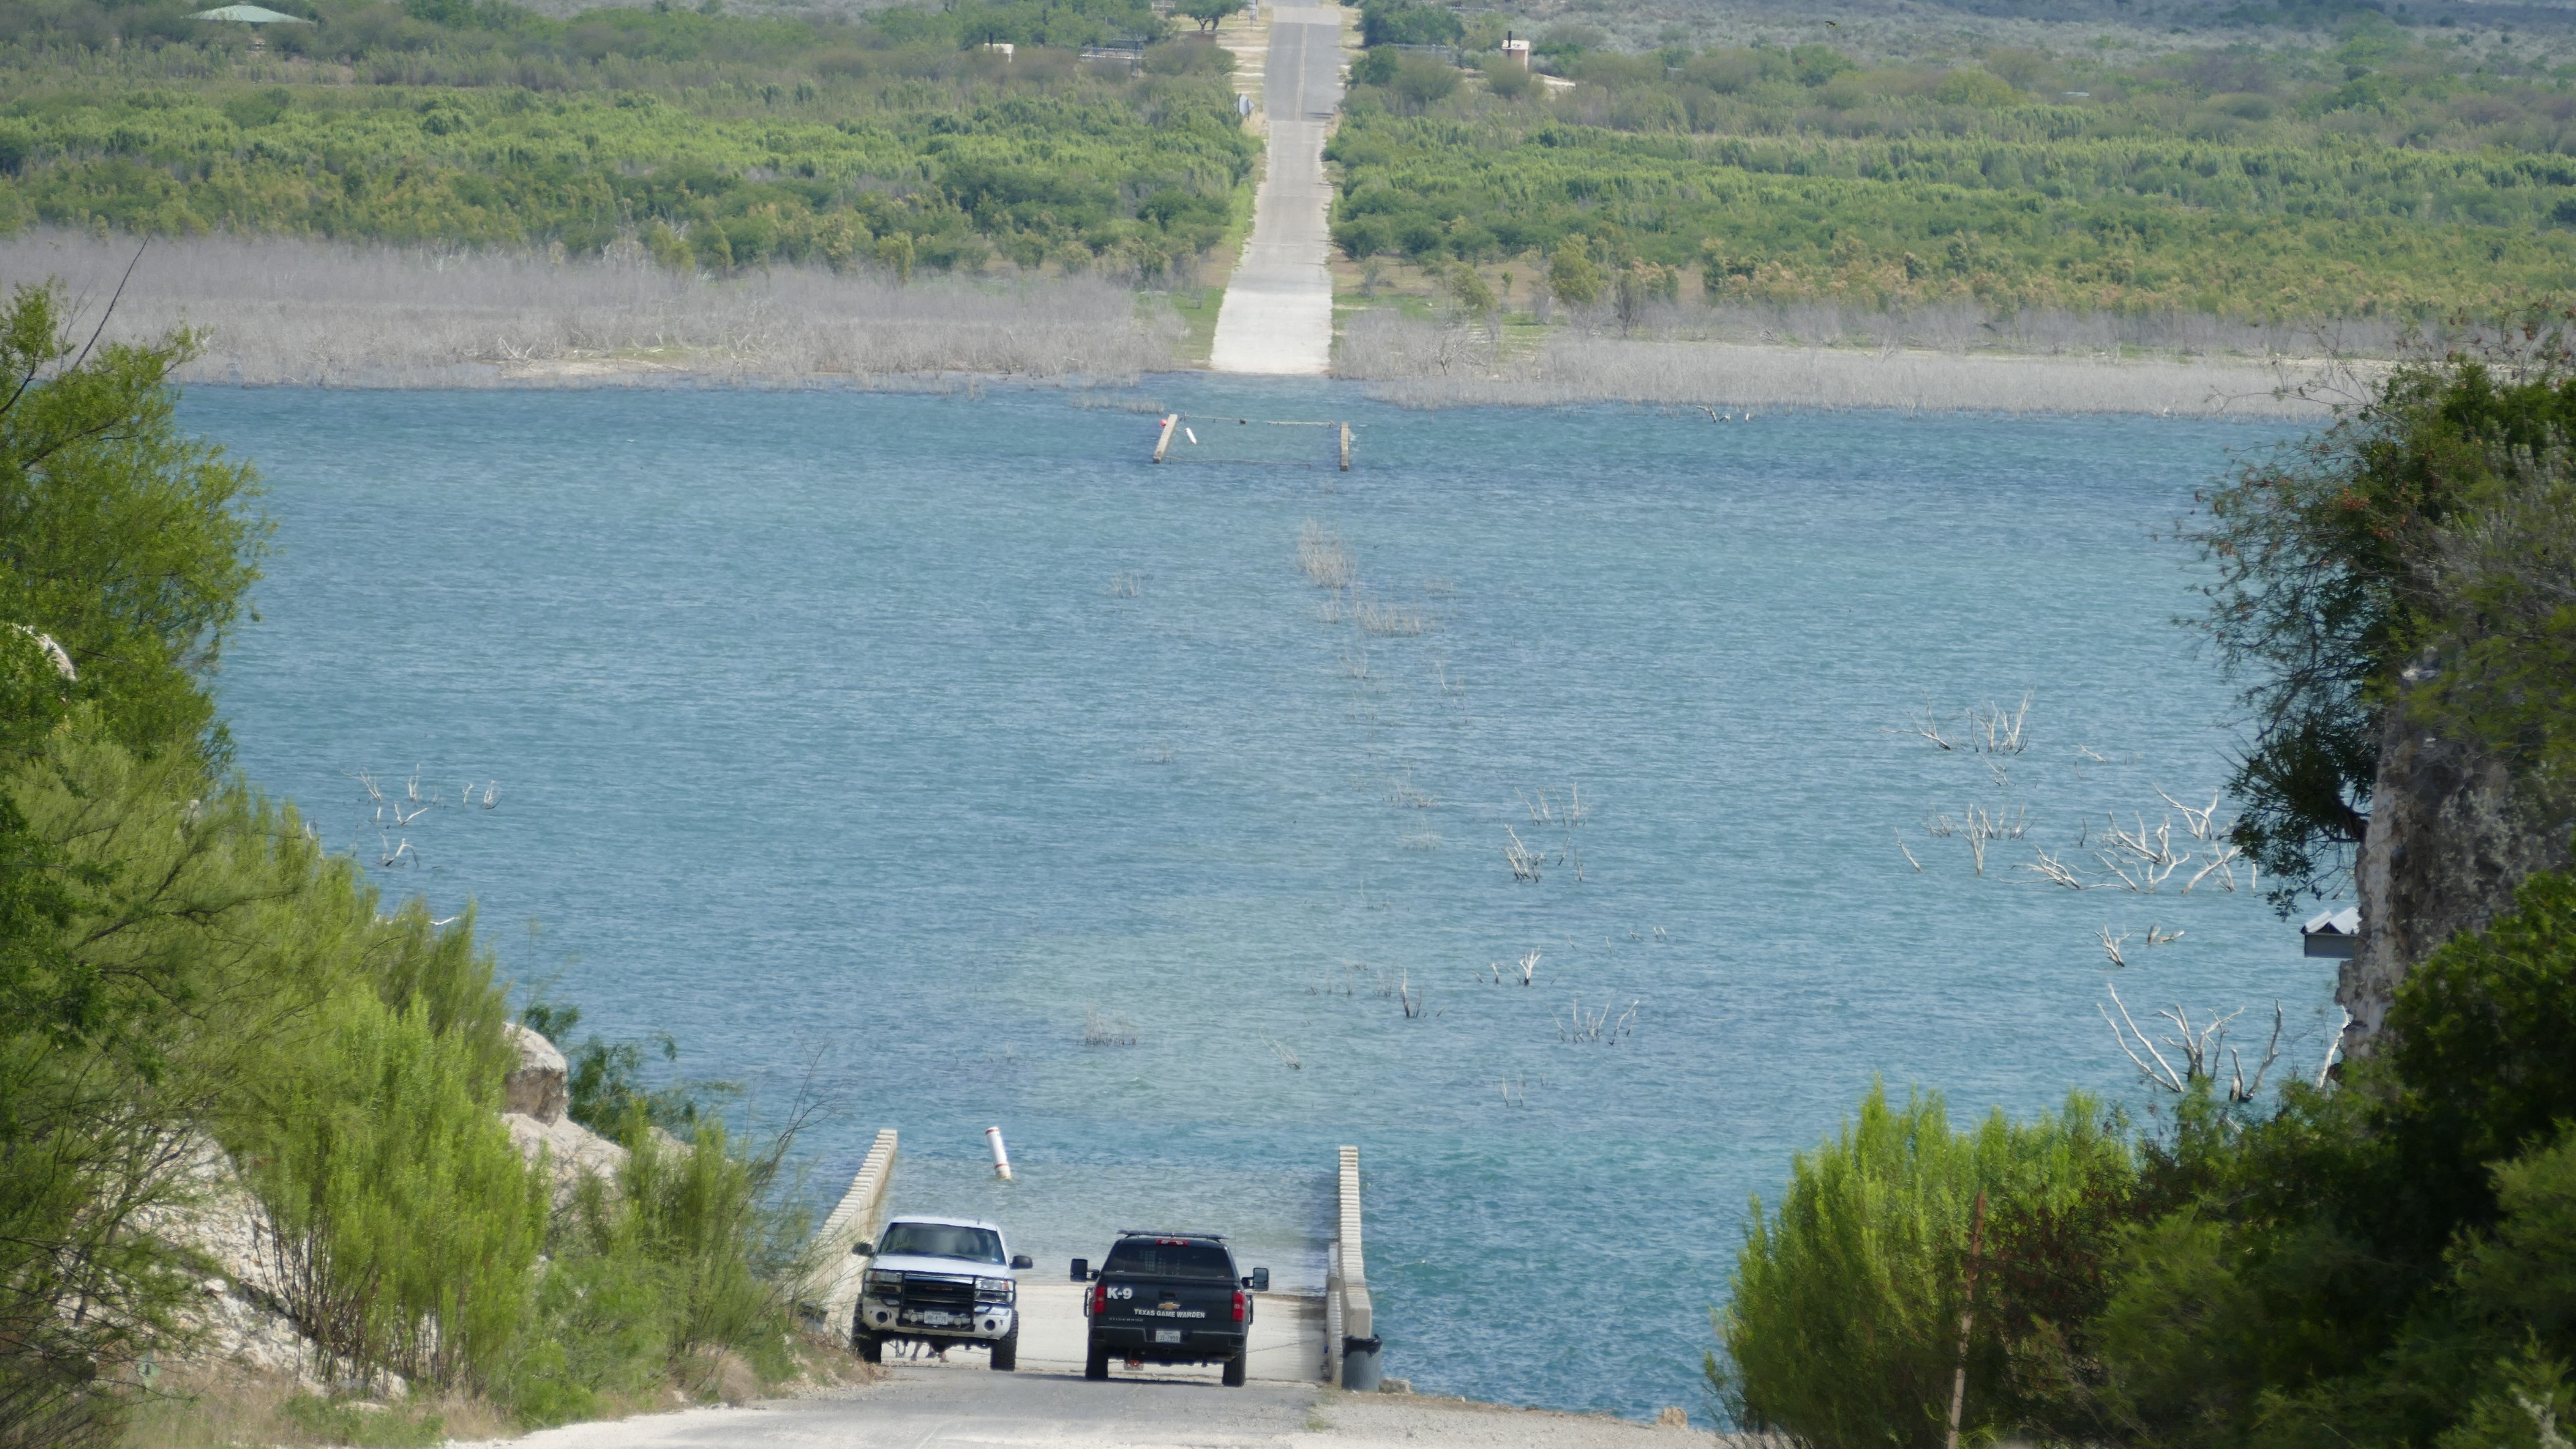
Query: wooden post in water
x=1346, y=447
x=1170, y=421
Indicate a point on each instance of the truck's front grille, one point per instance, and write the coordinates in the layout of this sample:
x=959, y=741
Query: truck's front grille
x=952, y=1294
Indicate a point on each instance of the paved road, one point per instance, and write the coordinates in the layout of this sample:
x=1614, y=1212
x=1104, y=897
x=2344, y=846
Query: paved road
x=1287, y=1336
x=1278, y=311
x=921, y=1407
x=969, y=1407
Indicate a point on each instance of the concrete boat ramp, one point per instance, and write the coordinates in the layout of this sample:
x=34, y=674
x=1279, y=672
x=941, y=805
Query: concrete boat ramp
x=1297, y=1337
x=1302, y=1365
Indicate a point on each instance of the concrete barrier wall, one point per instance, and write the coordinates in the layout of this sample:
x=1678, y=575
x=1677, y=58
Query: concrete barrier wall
x=1350, y=1320
x=831, y=1290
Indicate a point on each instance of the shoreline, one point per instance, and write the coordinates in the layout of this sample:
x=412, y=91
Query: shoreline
x=272, y=312
x=1730, y=378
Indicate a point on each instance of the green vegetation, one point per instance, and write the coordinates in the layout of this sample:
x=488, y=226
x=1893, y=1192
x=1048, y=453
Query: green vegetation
x=188, y=971
x=2393, y=175
x=2384, y=1263
x=1409, y=22
x=1845, y=1318
x=712, y=142
x=2422, y=530
x=2384, y=1260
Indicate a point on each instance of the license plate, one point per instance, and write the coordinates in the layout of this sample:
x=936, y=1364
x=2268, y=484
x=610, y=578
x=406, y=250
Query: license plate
x=934, y=1319
x=1167, y=1335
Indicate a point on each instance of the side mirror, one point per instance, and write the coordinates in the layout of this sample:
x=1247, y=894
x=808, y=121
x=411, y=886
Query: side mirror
x=1259, y=1281
x=1023, y=1260
x=1082, y=1270
x=863, y=1249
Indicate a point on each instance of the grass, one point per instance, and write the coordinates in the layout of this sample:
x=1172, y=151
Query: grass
x=204, y=1408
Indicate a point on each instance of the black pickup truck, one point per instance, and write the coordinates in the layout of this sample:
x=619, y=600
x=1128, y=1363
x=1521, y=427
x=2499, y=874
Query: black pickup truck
x=1169, y=1298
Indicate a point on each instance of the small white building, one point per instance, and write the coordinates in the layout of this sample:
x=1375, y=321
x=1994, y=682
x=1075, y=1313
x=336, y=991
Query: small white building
x=2335, y=935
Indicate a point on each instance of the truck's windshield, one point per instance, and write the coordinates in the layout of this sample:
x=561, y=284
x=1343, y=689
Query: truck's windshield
x=1163, y=1258
x=939, y=1240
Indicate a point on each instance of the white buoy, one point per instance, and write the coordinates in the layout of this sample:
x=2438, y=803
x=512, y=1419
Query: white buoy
x=1001, y=1156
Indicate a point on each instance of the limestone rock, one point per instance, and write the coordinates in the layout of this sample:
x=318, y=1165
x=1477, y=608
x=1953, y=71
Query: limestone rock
x=537, y=1086
x=572, y=1151
x=2450, y=839
x=239, y=1311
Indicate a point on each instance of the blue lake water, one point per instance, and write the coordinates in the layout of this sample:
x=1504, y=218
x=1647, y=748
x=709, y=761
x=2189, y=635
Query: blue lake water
x=878, y=742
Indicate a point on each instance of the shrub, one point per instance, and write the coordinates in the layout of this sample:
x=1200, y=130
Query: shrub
x=1420, y=80
x=1408, y=22
x=1975, y=88
x=1573, y=276
x=1844, y=1324
x=2388, y=1263
x=407, y=1226
x=688, y=1250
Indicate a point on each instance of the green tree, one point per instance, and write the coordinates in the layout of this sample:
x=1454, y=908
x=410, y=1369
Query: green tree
x=2423, y=522
x=124, y=550
x=1843, y=1327
x=2380, y=1263
x=1472, y=292
x=1209, y=12
x=129, y=544
x=1572, y=275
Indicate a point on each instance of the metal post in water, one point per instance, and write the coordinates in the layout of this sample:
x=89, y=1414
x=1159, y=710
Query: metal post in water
x=1001, y=1156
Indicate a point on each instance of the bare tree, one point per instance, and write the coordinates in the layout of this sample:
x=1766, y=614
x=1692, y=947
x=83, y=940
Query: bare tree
x=2199, y=1049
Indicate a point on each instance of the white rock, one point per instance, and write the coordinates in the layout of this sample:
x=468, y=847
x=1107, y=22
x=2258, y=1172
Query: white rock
x=537, y=1087
x=572, y=1151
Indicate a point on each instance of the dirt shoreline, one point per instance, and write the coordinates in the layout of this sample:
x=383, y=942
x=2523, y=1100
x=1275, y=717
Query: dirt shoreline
x=284, y=312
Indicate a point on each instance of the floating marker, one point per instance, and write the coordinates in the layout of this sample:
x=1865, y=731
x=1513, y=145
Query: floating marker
x=1001, y=1156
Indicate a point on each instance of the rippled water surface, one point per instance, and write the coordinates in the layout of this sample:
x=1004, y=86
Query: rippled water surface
x=881, y=741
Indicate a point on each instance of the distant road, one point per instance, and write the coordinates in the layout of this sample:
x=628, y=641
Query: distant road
x=1278, y=311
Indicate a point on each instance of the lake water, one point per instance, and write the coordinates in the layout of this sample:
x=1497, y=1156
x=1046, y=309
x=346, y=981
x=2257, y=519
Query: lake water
x=878, y=743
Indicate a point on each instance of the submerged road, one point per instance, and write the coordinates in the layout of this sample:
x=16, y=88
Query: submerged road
x=1277, y=316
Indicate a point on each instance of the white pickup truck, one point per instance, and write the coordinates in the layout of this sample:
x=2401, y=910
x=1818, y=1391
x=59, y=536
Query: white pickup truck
x=946, y=1282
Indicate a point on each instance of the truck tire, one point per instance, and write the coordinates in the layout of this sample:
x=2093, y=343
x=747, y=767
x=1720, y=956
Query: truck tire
x=1096, y=1366
x=871, y=1348
x=1006, y=1350
x=1234, y=1367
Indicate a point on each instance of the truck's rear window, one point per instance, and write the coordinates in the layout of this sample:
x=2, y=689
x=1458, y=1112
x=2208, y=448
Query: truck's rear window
x=1148, y=1258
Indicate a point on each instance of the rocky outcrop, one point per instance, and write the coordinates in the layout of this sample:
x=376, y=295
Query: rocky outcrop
x=572, y=1151
x=2452, y=835
x=539, y=1086
x=535, y=1094
x=238, y=1313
